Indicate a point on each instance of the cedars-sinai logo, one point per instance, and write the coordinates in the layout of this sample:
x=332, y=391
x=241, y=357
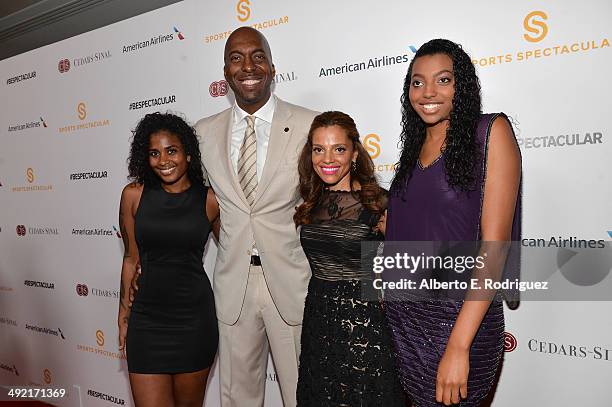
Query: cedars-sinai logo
x=219, y=88
x=243, y=10
x=82, y=290
x=535, y=25
x=63, y=65
x=510, y=342
x=21, y=230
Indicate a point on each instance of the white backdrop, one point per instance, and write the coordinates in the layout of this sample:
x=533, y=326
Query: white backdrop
x=65, y=136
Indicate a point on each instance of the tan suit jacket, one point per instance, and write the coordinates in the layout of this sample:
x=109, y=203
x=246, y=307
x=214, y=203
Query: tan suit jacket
x=269, y=223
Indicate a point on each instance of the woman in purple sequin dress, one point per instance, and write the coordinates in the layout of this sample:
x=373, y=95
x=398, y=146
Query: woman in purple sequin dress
x=458, y=180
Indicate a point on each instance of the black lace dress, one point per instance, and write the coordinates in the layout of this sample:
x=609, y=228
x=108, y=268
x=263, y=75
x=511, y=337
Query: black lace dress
x=346, y=357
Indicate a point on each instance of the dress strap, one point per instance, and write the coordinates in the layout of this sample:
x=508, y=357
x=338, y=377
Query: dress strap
x=483, y=133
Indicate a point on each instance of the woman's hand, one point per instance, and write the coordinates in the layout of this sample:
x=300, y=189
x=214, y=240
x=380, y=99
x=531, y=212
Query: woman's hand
x=134, y=285
x=213, y=213
x=123, y=326
x=452, y=378
x=382, y=224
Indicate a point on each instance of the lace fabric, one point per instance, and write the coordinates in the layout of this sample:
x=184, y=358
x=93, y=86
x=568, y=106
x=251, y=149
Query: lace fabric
x=339, y=224
x=346, y=357
x=343, y=205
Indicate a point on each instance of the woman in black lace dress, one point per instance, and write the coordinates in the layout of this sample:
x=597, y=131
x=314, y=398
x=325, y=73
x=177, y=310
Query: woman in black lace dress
x=346, y=357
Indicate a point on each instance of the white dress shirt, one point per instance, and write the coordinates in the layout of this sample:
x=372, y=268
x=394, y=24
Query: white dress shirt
x=263, y=127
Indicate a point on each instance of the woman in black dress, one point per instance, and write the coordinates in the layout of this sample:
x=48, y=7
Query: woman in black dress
x=170, y=332
x=346, y=357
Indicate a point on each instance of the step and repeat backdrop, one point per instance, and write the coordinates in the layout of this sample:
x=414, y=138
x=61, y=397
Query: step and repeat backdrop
x=65, y=127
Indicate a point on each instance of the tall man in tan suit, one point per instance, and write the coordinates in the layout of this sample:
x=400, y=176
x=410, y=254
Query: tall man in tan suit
x=250, y=152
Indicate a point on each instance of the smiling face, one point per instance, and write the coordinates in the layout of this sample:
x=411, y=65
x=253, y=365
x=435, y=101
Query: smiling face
x=432, y=88
x=332, y=155
x=168, y=160
x=248, y=68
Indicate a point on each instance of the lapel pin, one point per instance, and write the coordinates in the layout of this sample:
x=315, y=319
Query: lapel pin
x=286, y=129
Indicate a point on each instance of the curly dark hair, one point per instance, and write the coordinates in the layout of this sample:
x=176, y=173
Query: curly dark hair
x=461, y=149
x=371, y=195
x=138, y=162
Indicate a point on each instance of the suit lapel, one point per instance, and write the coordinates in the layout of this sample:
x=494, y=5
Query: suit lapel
x=279, y=138
x=224, y=146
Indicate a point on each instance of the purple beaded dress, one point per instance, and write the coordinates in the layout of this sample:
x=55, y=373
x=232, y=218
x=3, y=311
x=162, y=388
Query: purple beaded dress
x=428, y=209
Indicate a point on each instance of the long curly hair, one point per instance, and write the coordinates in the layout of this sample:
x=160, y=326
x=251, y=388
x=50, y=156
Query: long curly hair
x=311, y=187
x=138, y=162
x=461, y=152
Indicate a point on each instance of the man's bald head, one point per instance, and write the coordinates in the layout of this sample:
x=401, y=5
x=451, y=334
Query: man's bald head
x=246, y=32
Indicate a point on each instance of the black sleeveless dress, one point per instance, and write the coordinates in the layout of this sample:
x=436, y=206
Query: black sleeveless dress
x=346, y=358
x=173, y=325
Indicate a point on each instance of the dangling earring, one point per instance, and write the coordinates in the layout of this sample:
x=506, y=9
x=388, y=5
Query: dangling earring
x=354, y=166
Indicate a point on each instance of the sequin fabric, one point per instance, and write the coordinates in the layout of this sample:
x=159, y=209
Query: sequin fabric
x=421, y=330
